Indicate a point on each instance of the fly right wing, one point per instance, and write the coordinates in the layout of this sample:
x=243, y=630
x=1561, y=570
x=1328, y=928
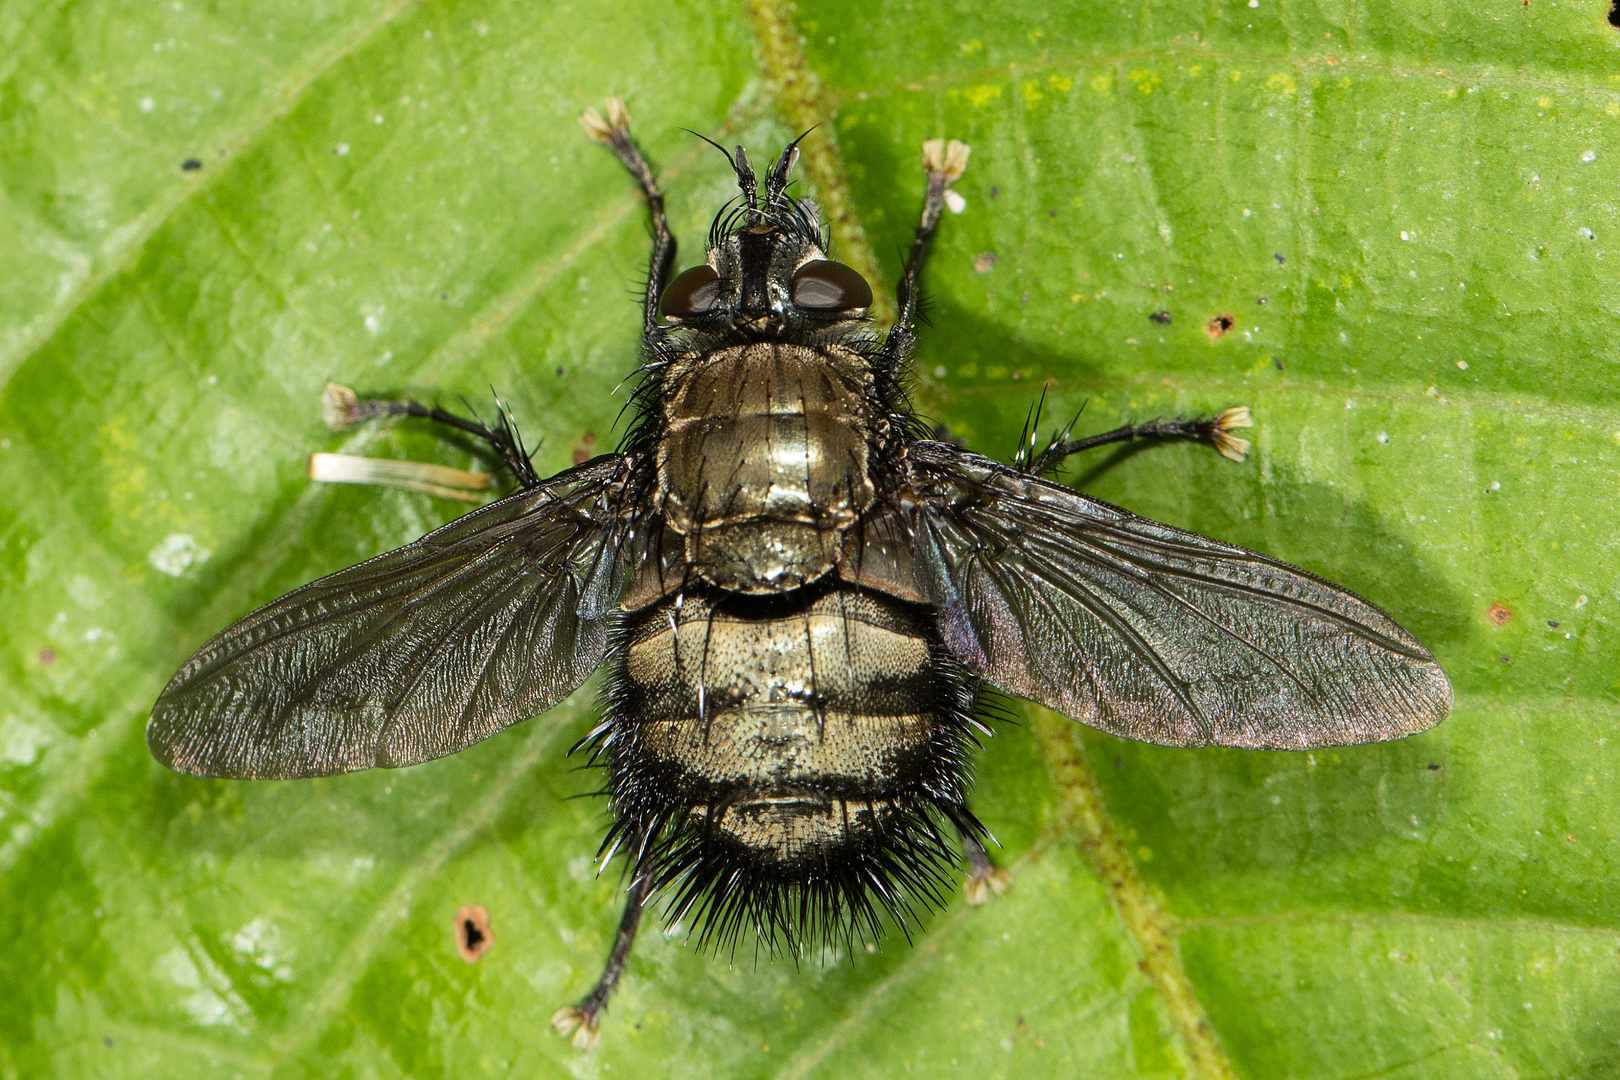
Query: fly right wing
x=412, y=655
x=1148, y=631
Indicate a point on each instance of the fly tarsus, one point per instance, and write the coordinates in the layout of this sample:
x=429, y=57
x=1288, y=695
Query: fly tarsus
x=984, y=877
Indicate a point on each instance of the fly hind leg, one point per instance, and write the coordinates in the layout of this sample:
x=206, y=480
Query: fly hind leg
x=582, y=1021
x=984, y=877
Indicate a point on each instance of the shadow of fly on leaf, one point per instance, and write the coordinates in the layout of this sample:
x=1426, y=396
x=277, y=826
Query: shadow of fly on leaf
x=798, y=596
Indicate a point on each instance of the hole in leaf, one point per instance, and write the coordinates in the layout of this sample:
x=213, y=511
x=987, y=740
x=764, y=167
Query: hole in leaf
x=473, y=937
x=1219, y=325
x=1614, y=13
x=1161, y=317
x=1500, y=614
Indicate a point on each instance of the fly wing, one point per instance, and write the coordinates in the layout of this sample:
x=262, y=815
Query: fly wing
x=1150, y=632
x=412, y=655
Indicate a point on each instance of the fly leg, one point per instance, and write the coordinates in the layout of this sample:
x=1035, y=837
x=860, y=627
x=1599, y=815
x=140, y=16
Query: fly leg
x=984, y=877
x=342, y=408
x=582, y=1020
x=944, y=164
x=1214, y=430
x=614, y=133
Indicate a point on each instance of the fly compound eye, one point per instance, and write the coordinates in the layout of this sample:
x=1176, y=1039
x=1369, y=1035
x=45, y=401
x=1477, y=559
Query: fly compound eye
x=824, y=285
x=693, y=292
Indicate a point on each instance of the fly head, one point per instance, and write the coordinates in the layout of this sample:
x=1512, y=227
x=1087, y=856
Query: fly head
x=767, y=275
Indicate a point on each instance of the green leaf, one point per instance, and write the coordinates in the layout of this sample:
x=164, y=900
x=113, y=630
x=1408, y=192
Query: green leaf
x=1408, y=214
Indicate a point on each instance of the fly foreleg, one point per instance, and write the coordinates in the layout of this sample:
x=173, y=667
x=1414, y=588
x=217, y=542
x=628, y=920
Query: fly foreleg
x=614, y=133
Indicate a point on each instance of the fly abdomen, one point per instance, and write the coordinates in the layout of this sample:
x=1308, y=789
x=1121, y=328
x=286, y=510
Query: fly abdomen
x=833, y=694
x=800, y=734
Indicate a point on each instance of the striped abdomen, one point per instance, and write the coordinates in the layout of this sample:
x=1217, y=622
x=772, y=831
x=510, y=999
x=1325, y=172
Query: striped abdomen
x=793, y=726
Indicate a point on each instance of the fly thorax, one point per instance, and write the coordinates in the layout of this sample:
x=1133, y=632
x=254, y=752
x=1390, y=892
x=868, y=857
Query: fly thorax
x=762, y=467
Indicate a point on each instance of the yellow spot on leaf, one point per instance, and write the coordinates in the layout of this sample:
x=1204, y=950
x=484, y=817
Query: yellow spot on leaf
x=1237, y=73
x=1032, y=93
x=1612, y=108
x=968, y=48
x=1061, y=83
x=1281, y=81
x=981, y=95
x=1104, y=85
x=1543, y=102
x=1194, y=71
x=1145, y=80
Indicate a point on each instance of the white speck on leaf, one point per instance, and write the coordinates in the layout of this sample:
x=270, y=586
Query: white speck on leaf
x=176, y=553
x=22, y=740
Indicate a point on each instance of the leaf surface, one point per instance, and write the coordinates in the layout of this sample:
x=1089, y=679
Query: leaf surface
x=1407, y=213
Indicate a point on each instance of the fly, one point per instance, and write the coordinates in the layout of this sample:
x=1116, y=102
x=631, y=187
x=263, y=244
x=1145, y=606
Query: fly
x=798, y=596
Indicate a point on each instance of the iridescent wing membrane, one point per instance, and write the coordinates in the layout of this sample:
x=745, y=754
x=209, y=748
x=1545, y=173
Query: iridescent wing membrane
x=412, y=655
x=1150, y=632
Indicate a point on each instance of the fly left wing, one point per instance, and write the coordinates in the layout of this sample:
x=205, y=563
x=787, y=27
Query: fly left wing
x=1150, y=632
x=412, y=655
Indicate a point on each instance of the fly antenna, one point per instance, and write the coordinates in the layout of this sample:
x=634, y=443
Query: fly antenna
x=748, y=183
x=777, y=181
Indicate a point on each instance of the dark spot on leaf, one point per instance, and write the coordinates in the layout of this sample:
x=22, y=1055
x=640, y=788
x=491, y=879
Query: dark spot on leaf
x=1553, y=623
x=984, y=263
x=586, y=449
x=1505, y=659
x=1434, y=768
x=1279, y=257
x=1161, y=317
x=1277, y=360
x=108, y=1041
x=995, y=189
x=47, y=657
x=1614, y=13
x=191, y=164
x=1018, y=375
x=1500, y=614
x=473, y=937
x=1051, y=213
x=560, y=372
x=1119, y=763
x=1263, y=300
x=1219, y=325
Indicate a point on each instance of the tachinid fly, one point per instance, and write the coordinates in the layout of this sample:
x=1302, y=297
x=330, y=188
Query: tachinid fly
x=798, y=595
